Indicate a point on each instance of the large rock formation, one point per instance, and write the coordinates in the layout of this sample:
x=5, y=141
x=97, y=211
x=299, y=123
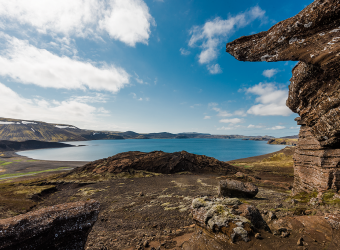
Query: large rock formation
x=311, y=37
x=64, y=226
x=158, y=162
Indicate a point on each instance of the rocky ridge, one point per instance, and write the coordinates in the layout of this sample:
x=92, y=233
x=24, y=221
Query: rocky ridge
x=157, y=162
x=312, y=38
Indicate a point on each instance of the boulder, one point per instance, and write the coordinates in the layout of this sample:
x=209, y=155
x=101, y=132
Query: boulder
x=312, y=38
x=158, y=162
x=64, y=226
x=227, y=218
x=234, y=188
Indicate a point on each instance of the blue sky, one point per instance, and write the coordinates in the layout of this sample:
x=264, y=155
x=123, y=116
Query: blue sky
x=146, y=66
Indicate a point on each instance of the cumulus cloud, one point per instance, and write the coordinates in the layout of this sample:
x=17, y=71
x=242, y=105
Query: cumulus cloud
x=294, y=128
x=209, y=36
x=73, y=111
x=276, y=128
x=27, y=64
x=184, y=52
x=128, y=21
x=207, y=117
x=272, y=101
x=232, y=121
x=270, y=72
x=214, y=69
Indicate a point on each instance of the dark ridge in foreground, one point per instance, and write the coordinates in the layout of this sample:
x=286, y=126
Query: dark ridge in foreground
x=65, y=226
x=30, y=144
x=158, y=162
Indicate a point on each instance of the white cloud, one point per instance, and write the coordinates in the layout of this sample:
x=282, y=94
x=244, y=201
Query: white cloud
x=207, y=117
x=220, y=112
x=97, y=98
x=134, y=96
x=195, y=105
x=240, y=113
x=225, y=128
x=276, y=128
x=184, y=52
x=232, y=121
x=69, y=111
x=214, y=32
x=270, y=72
x=255, y=126
x=128, y=21
x=214, y=69
x=140, y=81
x=231, y=127
x=294, y=128
x=272, y=100
x=30, y=65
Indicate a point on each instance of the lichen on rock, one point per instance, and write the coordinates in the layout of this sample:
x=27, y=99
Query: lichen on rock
x=222, y=216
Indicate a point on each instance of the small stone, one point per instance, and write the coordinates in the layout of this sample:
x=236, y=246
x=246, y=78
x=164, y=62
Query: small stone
x=146, y=243
x=278, y=205
x=239, y=175
x=294, y=202
x=272, y=216
x=141, y=194
x=314, y=201
x=285, y=234
x=308, y=212
x=258, y=236
x=300, y=242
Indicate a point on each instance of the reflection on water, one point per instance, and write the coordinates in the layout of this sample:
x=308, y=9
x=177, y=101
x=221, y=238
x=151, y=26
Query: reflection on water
x=221, y=149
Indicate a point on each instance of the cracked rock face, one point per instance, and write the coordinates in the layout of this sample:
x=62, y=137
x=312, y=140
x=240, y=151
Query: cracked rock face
x=64, y=226
x=227, y=218
x=312, y=37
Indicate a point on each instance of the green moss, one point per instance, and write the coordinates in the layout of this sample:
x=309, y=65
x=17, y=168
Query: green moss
x=31, y=173
x=6, y=163
x=305, y=197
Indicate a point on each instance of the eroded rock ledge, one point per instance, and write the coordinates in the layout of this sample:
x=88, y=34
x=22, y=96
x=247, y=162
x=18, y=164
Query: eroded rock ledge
x=64, y=226
x=311, y=37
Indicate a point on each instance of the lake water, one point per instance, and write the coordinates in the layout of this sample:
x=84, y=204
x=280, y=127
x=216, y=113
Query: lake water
x=221, y=149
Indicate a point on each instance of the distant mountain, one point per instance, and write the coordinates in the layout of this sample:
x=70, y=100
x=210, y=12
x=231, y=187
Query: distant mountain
x=23, y=130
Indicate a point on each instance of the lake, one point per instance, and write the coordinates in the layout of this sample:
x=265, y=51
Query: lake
x=221, y=149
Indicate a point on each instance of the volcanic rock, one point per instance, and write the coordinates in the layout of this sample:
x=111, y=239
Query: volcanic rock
x=64, y=226
x=311, y=37
x=234, y=188
x=158, y=162
x=217, y=216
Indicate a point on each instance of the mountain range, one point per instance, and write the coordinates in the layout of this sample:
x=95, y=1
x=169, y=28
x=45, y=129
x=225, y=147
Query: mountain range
x=23, y=130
